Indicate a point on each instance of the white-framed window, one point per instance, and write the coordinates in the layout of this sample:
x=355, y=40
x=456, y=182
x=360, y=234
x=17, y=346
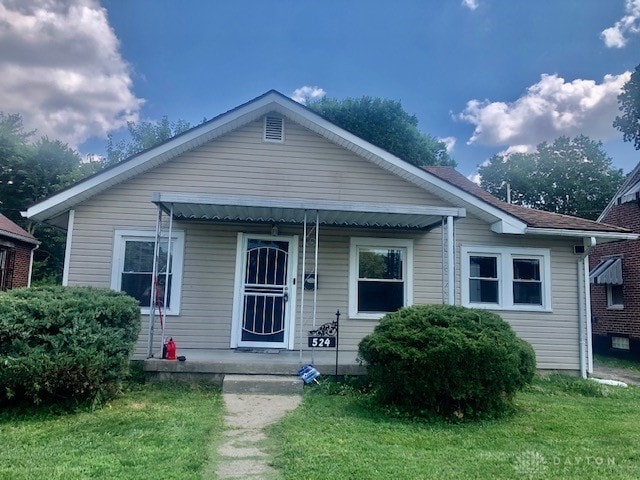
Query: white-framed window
x=380, y=276
x=615, y=297
x=132, y=268
x=506, y=278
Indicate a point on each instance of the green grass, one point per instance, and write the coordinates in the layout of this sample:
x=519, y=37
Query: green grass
x=618, y=363
x=563, y=428
x=155, y=432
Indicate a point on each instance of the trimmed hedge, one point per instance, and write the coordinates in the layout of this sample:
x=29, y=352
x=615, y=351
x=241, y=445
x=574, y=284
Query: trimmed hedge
x=65, y=345
x=452, y=361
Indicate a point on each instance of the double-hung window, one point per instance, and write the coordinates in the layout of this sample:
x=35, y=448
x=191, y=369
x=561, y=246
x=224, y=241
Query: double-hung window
x=380, y=276
x=484, y=282
x=615, y=297
x=506, y=278
x=132, y=270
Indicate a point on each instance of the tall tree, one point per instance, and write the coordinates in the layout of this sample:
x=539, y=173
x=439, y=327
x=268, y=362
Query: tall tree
x=385, y=124
x=569, y=176
x=629, y=103
x=143, y=135
x=31, y=171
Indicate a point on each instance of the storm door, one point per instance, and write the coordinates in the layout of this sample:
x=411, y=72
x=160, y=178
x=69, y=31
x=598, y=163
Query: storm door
x=266, y=296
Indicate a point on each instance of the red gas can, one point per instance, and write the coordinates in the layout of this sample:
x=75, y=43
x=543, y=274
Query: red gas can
x=171, y=349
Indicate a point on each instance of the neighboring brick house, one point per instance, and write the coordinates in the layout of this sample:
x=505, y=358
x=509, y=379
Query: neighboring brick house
x=615, y=277
x=16, y=255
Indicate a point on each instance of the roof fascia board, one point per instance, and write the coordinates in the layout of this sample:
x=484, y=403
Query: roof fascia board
x=304, y=204
x=610, y=236
x=163, y=152
x=623, y=188
x=399, y=167
x=15, y=236
x=271, y=101
x=505, y=226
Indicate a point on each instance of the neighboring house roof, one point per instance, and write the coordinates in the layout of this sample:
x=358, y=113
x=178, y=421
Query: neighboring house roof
x=532, y=217
x=628, y=192
x=9, y=229
x=502, y=218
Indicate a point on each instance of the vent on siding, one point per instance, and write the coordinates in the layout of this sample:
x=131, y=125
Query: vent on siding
x=273, y=129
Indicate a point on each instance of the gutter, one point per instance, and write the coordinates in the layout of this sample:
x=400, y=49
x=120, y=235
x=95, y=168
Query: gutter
x=31, y=264
x=583, y=233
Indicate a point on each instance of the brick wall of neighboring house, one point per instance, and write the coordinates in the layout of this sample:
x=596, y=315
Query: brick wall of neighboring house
x=625, y=322
x=21, y=267
x=15, y=258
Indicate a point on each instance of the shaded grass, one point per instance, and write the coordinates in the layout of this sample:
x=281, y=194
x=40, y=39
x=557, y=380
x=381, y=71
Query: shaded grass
x=154, y=431
x=563, y=428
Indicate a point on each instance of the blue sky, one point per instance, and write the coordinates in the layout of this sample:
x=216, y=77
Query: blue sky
x=488, y=76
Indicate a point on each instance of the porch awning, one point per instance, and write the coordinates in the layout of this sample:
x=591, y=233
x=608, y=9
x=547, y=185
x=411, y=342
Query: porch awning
x=608, y=271
x=235, y=208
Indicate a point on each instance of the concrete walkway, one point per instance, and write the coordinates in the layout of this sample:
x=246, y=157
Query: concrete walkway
x=242, y=455
x=628, y=376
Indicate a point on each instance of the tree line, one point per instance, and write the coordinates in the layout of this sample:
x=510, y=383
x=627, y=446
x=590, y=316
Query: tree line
x=572, y=176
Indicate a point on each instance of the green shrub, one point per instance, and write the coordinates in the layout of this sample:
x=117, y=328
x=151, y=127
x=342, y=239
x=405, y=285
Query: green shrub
x=65, y=345
x=452, y=361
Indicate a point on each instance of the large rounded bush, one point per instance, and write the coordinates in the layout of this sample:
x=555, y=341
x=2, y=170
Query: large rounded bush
x=453, y=361
x=65, y=345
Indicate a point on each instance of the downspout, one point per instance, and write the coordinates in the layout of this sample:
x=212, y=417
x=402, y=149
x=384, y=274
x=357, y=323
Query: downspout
x=67, y=249
x=31, y=265
x=584, y=310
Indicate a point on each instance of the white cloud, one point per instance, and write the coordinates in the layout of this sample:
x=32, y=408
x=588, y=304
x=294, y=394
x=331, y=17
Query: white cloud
x=550, y=108
x=616, y=36
x=475, y=177
x=450, y=142
x=61, y=69
x=470, y=4
x=306, y=93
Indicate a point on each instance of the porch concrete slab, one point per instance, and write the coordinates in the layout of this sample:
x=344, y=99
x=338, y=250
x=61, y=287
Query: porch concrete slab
x=227, y=361
x=262, y=384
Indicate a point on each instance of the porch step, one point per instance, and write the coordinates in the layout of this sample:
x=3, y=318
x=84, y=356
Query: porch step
x=262, y=384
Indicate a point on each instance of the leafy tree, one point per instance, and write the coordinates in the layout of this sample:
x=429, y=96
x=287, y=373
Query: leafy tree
x=143, y=135
x=629, y=102
x=29, y=172
x=569, y=176
x=385, y=124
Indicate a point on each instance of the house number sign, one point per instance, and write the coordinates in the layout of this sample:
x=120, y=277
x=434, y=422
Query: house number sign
x=325, y=336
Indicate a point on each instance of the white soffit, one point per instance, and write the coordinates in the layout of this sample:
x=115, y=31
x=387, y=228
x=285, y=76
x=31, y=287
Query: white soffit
x=230, y=208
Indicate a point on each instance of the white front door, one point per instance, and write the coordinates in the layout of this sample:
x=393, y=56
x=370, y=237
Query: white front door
x=265, y=291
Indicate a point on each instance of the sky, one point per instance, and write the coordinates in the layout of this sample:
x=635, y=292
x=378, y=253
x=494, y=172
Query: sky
x=485, y=76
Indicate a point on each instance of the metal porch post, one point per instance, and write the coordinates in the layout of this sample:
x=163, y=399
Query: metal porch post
x=152, y=299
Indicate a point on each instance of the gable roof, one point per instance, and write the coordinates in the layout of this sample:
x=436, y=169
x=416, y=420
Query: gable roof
x=501, y=219
x=9, y=229
x=535, y=219
x=628, y=192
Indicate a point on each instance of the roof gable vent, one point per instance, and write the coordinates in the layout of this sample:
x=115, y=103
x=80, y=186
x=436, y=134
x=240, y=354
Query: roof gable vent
x=273, y=129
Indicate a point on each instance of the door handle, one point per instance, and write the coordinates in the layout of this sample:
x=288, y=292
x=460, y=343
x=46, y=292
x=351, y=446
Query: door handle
x=286, y=297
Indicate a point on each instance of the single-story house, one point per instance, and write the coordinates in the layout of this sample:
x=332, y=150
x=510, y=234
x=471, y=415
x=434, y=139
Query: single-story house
x=278, y=218
x=615, y=277
x=16, y=255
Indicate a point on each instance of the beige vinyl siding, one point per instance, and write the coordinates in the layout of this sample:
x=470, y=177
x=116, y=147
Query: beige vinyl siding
x=305, y=166
x=333, y=279
x=554, y=335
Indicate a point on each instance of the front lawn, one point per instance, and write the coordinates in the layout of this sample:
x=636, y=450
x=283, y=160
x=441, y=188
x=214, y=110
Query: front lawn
x=564, y=428
x=154, y=432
